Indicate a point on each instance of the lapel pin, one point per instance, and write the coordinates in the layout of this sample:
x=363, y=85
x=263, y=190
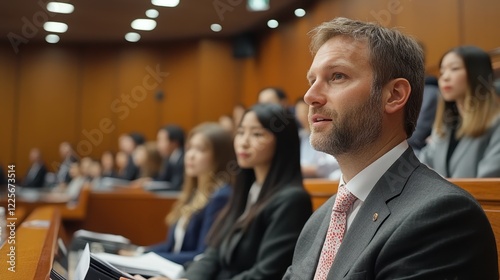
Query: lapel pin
x=375, y=216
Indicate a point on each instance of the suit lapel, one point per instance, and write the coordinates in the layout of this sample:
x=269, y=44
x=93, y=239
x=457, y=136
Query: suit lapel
x=365, y=226
x=231, y=245
x=458, y=154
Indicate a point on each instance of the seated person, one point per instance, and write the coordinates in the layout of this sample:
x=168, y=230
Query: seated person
x=465, y=142
x=205, y=191
x=68, y=157
x=68, y=192
x=35, y=177
x=255, y=235
x=147, y=158
x=108, y=164
x=170, y=142
x=128, y=143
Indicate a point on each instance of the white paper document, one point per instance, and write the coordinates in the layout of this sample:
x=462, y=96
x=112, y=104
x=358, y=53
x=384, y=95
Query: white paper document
x=146, y=264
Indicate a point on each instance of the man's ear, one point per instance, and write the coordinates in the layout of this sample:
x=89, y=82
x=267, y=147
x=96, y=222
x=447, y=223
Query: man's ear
x=396, y=94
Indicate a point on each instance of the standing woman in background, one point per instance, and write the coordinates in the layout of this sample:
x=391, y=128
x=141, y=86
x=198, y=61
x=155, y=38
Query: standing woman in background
x=255, y=235
x=465, y=142
x=208, y=159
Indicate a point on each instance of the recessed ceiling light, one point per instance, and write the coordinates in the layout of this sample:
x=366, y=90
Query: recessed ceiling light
x=258, y=5
x=132, y=37
x=216, y=27
x=143, y=24
x=52, y=38
x=152, y=13
x=300, y=12
x=54, y=26
x=61, y=8
x=272, y=23
x=165, y=3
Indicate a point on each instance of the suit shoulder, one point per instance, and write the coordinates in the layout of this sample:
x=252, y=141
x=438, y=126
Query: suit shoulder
x=432, y=186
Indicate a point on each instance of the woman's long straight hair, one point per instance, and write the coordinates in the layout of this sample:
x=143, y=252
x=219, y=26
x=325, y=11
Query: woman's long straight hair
x=284, y=171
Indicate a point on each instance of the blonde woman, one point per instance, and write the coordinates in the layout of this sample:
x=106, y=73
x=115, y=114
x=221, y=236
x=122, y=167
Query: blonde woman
x=466, y=136
x=209, y=168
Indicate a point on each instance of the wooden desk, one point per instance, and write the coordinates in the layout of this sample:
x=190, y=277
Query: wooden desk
x=68, y=211
x=137, y=214
x=35, y=244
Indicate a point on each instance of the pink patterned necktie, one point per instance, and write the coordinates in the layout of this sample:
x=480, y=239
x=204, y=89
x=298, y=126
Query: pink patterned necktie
x=335, y=234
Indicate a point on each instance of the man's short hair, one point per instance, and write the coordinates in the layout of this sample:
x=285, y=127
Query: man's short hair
x=392, y=55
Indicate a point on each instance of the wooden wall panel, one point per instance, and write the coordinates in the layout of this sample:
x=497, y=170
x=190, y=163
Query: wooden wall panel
x=381, y=11
x=217, y=81
x=180, y=87
x=296, y=59
x=8, y=126
x=48, y=102
x=481, y=18
x=249, y=81
x=139, y=78
x=98, y=123
x=435, y=23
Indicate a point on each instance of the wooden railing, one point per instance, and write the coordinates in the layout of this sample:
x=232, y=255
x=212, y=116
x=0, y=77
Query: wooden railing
x=30, y=249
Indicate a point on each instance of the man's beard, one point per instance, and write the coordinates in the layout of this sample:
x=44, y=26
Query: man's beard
x=353, y=131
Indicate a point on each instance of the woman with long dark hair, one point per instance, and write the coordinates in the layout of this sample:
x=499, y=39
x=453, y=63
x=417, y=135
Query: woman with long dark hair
x=255, y=235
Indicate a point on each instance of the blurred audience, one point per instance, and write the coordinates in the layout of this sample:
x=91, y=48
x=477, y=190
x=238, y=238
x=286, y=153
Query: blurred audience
x=108, y=165
x=427, y=112
x=227, y=123
x=68, y=157
x=314, y=164
x=127, y=144
x=238, y=112
x=35, y=177
x=170, y=143
x=147, y=158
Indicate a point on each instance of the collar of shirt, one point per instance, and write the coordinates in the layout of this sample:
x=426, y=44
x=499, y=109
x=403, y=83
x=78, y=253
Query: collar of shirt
x=362, y=184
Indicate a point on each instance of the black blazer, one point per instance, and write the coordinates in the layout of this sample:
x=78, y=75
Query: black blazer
x=173, y=171
x=265, y=250
x=35, y=178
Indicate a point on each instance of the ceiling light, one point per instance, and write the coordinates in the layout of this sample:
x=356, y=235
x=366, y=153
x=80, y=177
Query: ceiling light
x=258, y=5
x=272, y=23
x=165, y=3
x=143, y=24
x=216, y=27
x=300, y=12
x=132, y=37
x=54, y=26
x=52, y=38
x=60, y=8
x=152, y=13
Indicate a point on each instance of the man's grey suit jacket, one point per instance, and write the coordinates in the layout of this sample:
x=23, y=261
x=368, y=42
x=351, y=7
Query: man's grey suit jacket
x=413, y=225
